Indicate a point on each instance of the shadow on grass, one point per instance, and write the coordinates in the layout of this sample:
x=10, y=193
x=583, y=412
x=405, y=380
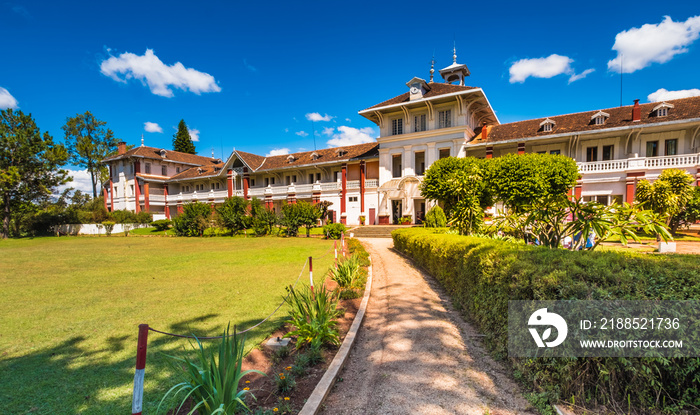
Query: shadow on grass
x=75, y=376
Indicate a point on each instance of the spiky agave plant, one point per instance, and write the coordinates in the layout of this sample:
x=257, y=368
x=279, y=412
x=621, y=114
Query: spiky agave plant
x=314, y=314
x=213, y=381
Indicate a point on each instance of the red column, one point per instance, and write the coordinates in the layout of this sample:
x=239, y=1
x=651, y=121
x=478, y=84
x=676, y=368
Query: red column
x=631, y=185
x=697, y=182
x=104, y=197
x=489, y=152
x=578, y=189
x=246, y=183
x=268, y=202
x=179, y=209
x=146, y=194
x=165, y=197
x=343, y=192
x=362, y=187
x=229, y=182
x=521, y=149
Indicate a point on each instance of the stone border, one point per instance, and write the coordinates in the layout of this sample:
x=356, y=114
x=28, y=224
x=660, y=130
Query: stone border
x=323, y=388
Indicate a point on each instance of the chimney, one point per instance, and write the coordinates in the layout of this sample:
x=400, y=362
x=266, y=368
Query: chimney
x=636, y=111
x=121, y=147
x=484, y=132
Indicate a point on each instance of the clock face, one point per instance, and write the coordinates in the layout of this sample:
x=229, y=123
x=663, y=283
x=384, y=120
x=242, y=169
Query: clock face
x=414, y=90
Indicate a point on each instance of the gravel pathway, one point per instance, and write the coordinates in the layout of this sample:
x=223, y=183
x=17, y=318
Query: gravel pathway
x=415, y=354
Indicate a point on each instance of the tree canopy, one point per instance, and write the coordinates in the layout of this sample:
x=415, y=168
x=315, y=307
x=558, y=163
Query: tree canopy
x=668, y=195
x=89, y=142
x=29, y=164
x=182, y=141
x=522, y=180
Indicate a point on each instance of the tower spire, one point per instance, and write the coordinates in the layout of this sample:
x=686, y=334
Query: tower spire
x=141, y=139
x=454, y=52
x=432, y=67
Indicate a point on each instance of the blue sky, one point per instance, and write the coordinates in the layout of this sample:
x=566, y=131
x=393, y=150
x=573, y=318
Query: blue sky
x=251, y=75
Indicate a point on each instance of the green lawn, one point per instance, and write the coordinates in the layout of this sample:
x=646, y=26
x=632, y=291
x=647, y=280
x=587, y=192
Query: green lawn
x=71, y=306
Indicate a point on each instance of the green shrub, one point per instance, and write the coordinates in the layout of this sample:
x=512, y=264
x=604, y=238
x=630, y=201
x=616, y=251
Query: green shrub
x=482, y=275
x=264, y=220
x=314, y=314
x=162, y=224
x=195, y=218
x=109, y=227
x=334, y=230
x=212, y=382
x=122, y=216
x=435, y=218
x=143, y=217
x=233, y=214
x=346, y=273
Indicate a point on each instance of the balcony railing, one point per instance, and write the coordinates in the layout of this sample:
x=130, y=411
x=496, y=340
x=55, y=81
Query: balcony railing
x=681, y=160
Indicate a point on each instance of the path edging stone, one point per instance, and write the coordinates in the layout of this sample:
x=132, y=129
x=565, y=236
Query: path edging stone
x=323, y=388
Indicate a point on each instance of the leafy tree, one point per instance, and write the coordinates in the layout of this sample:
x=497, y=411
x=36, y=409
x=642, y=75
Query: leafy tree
x=88, y=143
x=264, y=220
x=182, y=141
x=462, y=186
x=309, y=215
x=293, y=218
x=521, y=180
x=195, y=218
x=29, y=165
x=233, y=214
x=445, y=180
x=668, y=195
x=691, y=213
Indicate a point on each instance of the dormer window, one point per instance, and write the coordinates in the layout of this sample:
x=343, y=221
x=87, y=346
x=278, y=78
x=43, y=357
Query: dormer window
x=163, y=153
x=314, y=156
x=341, y=153
x=547, y=125
x=290, y=159
x=661, y=110
x=599, y=118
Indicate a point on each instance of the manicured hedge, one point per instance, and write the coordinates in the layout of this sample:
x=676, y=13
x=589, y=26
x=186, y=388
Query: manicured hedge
x=481, y=275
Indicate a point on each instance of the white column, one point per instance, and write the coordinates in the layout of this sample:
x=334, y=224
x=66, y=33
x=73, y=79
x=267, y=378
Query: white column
x=430, y=155
x=408, y=168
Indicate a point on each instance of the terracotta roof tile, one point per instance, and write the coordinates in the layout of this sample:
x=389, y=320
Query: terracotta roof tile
x=328, y=155
x=202, y=171
x=685, y=108
x=436, y=89
x=170, y=155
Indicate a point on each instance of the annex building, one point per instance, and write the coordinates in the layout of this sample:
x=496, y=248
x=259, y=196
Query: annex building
x=613, y=147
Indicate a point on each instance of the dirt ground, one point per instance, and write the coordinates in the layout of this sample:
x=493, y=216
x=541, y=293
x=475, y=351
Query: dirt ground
x=415, y=354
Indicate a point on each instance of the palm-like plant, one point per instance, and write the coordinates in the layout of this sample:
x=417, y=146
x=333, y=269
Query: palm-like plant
x=213, y=381
x=347, y=272
x=314, y=315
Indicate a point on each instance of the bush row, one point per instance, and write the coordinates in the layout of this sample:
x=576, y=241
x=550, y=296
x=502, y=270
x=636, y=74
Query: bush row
x=481, y=275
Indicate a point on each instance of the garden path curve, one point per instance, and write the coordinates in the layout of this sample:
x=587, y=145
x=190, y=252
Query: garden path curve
x=415, y=355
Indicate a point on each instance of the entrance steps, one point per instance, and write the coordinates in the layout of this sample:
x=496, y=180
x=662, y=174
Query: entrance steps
x=374, y=231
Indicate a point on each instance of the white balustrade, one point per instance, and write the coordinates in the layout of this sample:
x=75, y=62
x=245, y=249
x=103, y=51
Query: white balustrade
x=353, y=184
x=372, y=183
x=681, y=160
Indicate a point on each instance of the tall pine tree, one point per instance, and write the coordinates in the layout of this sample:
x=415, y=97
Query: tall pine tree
x=182, y=141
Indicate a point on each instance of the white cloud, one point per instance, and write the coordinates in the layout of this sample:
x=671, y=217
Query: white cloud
x=81, y=181
x=302, y=133
x=277, y=152
x=328, y=131
x=548, y=67
x=286, y=130
x=158, y=76
x=639, y=47
x=665, y=95
x=315, y=116
x=152, y=127
x=6, y=99
x=194, y=134
x=249, y=66
x=348, y=120
x=575, y=77
x=348, y=136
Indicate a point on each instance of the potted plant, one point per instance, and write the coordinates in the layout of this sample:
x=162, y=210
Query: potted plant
x=362, y=219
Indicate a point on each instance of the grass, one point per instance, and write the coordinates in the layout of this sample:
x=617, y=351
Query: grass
x=72, y=305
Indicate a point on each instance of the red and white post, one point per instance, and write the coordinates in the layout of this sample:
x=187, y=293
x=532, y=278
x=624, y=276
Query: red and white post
x=137, y=402
x=342, y=243
x=335, y=248
x=311, y=273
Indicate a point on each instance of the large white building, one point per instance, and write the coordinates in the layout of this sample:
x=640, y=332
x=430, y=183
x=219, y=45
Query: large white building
x=614, y=149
